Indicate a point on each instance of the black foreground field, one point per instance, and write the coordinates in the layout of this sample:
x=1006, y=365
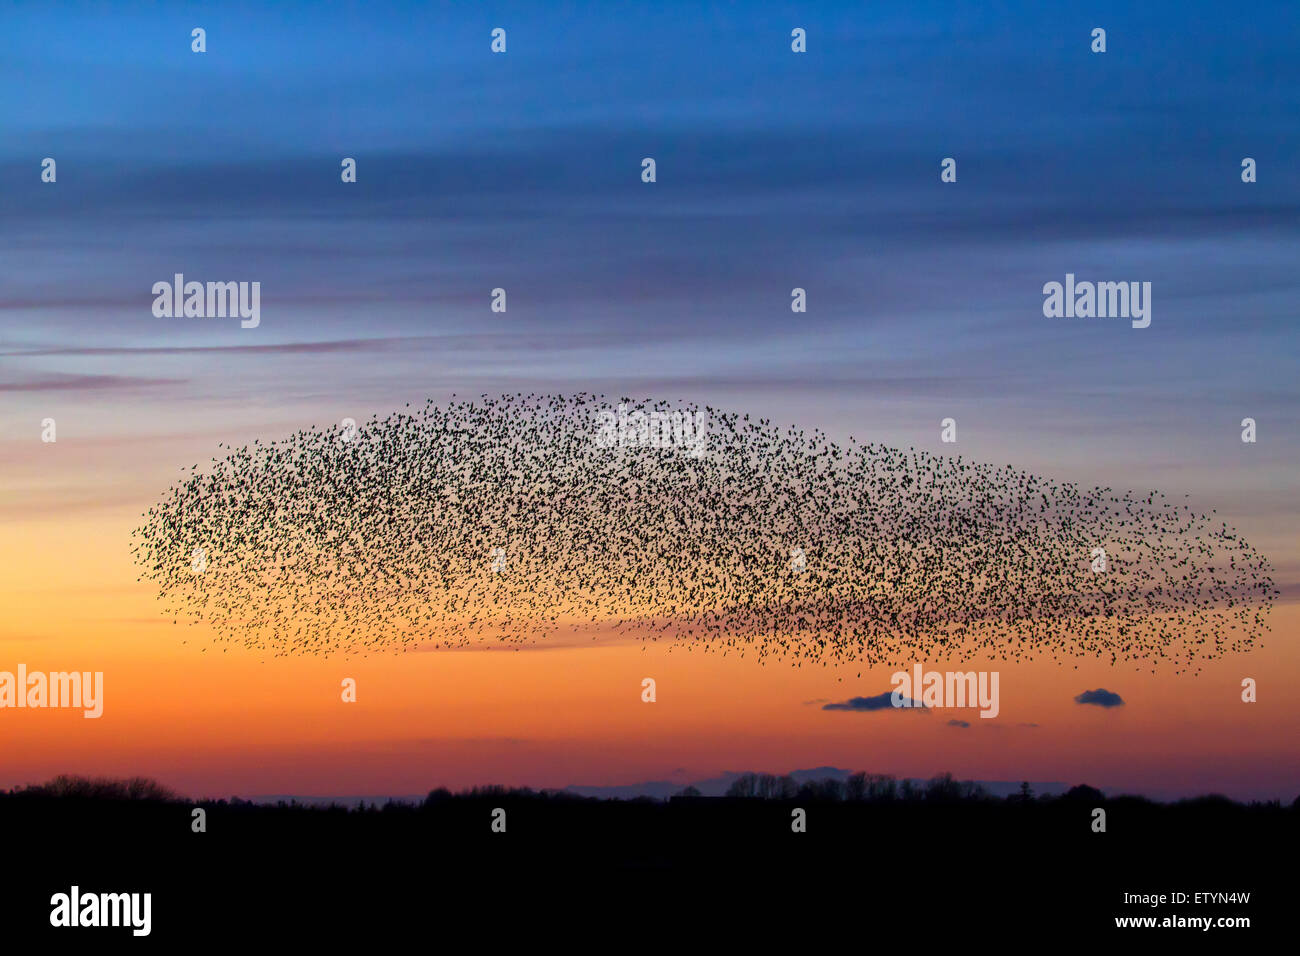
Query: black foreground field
x=568, y=869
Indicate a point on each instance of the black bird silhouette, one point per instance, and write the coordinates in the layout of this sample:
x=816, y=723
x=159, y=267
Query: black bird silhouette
x=513, y=518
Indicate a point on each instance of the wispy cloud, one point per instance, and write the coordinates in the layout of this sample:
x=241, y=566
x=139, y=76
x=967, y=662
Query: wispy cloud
x=879, y=702
x=84, y=383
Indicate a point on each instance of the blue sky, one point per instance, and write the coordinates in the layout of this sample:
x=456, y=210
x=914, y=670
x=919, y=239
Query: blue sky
x=775, y=170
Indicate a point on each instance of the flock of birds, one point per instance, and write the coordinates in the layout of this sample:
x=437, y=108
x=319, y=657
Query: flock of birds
x=510, y=519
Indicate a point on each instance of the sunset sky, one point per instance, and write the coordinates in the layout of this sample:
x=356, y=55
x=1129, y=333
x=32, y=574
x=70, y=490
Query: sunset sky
x=523, y=171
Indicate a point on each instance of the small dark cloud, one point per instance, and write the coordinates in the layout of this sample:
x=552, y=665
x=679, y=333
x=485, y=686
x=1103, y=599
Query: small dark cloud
x=879, y=702
x=1101, y=697
x=1026, y=725
x=959, y=723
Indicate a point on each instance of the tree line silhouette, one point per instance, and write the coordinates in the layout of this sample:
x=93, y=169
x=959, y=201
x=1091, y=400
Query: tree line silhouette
x=861, y=787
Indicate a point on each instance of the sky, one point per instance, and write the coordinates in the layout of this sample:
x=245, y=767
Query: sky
x=522, y=171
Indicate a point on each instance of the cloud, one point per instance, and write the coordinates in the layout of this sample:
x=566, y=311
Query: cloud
x=341, y=345
x=1101, y=697
x=83, y=383
x=879, y=702
x=959, y=723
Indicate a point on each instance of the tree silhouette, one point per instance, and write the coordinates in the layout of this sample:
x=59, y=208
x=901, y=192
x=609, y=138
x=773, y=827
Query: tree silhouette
x=104, y=788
